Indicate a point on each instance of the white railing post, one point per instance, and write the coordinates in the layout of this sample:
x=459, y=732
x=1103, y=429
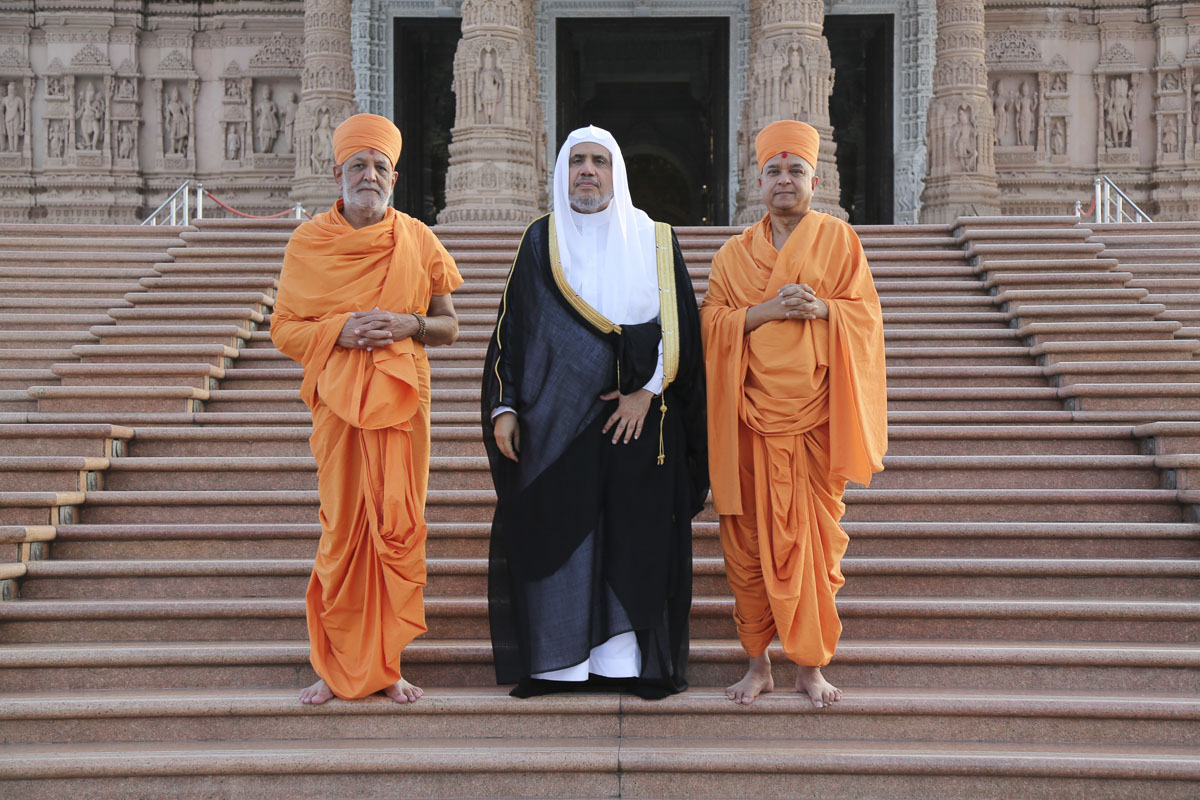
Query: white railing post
x=199, y=200
x=299, y=210
x=186, y=203
x=1097, y=200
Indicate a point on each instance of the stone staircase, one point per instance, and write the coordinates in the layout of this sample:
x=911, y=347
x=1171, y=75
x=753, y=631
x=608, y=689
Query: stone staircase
x=1022, y=604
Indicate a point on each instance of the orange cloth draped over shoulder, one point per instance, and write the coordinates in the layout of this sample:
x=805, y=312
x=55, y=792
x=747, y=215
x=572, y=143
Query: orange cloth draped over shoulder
x=370, y=436
x=796, y=409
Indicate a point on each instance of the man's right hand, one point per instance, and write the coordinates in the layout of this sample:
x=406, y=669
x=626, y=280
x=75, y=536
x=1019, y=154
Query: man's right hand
x=508, y=435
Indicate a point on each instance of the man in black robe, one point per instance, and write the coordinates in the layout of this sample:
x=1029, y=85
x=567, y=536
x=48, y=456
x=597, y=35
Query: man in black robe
x=593, y=414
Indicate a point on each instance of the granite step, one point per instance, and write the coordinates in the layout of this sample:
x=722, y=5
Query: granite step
x=435, y=663
x=1086, y=619
x=985, y=715
x=867, y=576
x=467, y=539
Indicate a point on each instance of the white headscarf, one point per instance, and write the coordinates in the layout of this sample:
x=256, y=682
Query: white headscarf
x=608, y=257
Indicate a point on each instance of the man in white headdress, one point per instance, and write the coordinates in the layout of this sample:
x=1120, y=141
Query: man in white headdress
x=593, y=416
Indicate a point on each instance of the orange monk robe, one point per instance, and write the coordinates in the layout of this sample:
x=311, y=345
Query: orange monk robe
x=796, y=409
x=370, y=436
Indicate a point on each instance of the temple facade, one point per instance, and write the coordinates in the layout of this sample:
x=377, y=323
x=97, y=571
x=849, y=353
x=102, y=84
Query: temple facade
x=927, y=110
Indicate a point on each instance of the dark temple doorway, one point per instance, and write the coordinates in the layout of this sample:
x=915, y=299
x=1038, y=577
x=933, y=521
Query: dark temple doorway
x=661, y=86
x=860, y=111
x=424, y=112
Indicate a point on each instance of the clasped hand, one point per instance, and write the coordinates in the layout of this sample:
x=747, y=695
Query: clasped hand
x=798, y=301
x=366, y=330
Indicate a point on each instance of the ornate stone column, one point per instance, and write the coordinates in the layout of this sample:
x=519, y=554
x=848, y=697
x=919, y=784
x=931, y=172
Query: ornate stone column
x=790, y=78
x=498, y=139
x=327, y=98
x=960, y=177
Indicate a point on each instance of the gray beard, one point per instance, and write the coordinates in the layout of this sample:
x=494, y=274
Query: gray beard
x=589, y=203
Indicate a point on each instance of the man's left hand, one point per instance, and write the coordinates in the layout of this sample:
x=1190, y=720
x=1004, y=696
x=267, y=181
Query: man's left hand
x=630, y=414
x=802, y=303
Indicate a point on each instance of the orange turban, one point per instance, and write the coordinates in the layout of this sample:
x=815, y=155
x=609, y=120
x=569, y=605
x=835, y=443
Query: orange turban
x=787, y=136
x=363, y=131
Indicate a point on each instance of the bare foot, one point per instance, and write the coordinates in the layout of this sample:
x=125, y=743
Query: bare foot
x=810, y=681
x=756, y=681
x=404, y=692
x=316, y=694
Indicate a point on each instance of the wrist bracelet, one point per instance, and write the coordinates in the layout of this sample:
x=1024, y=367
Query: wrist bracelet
x=420, y=334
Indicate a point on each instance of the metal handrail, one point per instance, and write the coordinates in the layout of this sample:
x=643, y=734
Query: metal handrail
x=1110, y=203
x=179, y=204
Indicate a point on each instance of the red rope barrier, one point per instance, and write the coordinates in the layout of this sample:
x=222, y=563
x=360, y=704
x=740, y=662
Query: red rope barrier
x=1090, y=209
x=249, y=216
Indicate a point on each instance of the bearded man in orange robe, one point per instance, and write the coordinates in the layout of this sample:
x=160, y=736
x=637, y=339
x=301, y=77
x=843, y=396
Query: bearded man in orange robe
x=797, y=406
x=364, y=290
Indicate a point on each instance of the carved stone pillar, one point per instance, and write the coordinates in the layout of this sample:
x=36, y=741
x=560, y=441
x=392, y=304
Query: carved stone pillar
x=790, y=78
x=960, y=178
x=495, y=175
x=327, y=98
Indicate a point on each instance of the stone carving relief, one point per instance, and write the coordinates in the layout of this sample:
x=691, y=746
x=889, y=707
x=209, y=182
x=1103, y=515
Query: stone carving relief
x=177, y=118
x=90, y=113
x=12, y=115
x=966, y=139
x=322, y=142
x=1196, y=113
x=126, y=140
x=793, y=86
x=489, y=89
x=233, y=141
x=1118, y=102
x=1058, y=137
x=56, y=139
x=266, y=121
x=89, y=56
x=282, y=52
x=1171, y=111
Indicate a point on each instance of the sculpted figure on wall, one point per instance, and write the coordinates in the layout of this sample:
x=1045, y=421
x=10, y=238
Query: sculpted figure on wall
x=322, y=143
x=233, y=142
x=176, y=118
x=1058, y=138
x=1196, y=113
x=966, y=139
x=1026, y=104
x=287, y=114
x=233, y=89
x=266, y=121
x=1000, y=107
x=12, y=110
x=56, y=140
x=125, y=89
x=89, y=113
x=1170, y=138
x=793, y=86
x=54, y=86
x=489, y=88
x=1118, y=113
x=125, y=140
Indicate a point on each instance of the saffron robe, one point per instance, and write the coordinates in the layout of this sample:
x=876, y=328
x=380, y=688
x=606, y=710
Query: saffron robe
x=795, y=410
x=590, y=539
x=370, y=436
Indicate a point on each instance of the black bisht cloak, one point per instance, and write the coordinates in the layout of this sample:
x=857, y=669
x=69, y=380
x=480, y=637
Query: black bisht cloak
x=590, y=539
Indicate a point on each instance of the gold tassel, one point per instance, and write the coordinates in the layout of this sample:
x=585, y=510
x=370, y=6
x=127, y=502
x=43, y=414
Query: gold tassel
x=662, y=452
